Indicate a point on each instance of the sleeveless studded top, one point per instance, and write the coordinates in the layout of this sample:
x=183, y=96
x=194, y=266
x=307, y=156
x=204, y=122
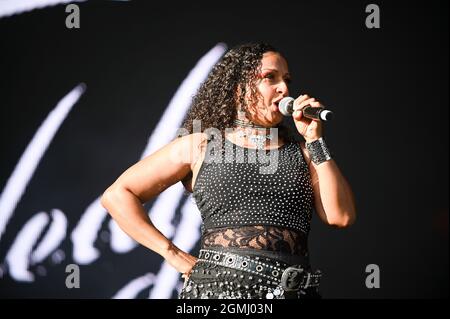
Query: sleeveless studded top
x=251, y=198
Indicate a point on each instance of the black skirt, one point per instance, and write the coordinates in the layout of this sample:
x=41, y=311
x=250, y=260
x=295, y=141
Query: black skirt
x=242, y=274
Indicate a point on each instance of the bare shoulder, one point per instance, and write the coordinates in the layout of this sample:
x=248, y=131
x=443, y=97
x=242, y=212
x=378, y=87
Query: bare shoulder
x=190, y=147
x=166, y=166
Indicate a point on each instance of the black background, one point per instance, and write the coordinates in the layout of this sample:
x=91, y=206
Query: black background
x=388, y=88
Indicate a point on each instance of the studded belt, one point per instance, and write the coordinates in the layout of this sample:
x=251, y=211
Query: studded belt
x=287, y=277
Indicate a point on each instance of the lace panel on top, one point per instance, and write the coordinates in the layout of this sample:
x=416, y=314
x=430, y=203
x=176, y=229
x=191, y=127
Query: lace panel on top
x=268, y=238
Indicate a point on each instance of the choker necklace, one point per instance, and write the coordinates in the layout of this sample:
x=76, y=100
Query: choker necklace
x=243, y=123
x=259, y=140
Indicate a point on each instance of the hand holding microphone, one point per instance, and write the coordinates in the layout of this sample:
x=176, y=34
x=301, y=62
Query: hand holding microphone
x=308, y=115
x=286, y=107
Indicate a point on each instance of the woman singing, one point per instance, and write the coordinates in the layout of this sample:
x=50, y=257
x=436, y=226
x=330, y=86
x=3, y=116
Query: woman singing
x=255, y=185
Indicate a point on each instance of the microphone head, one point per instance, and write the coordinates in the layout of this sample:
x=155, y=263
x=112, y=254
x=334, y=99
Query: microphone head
x=286, y=106
x=326, y=115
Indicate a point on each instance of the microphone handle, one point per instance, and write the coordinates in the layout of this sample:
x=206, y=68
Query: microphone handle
x=317, y=113
x=312, y=112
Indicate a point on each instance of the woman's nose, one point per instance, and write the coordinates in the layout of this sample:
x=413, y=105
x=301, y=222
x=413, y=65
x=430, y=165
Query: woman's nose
x=282, y=88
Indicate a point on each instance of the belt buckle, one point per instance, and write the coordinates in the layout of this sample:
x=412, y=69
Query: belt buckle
x=292, y=278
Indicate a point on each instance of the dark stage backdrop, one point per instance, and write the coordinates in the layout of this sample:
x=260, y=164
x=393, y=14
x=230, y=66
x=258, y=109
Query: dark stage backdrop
x=80, y=105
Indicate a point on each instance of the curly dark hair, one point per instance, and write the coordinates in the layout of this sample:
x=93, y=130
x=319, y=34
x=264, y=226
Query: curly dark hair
x=225, y=88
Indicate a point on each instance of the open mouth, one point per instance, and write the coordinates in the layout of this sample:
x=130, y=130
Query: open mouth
x=276, y=106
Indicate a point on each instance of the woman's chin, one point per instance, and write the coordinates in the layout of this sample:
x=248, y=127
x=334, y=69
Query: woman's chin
x=277, y=117
x=269, y=119
x=275, y=120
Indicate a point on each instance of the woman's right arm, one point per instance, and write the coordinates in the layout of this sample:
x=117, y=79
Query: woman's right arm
x=145, y=180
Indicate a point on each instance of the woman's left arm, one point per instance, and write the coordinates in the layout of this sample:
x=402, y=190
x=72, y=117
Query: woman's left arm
x=333, y=198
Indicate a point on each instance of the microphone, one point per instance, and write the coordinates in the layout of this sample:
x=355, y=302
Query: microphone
x=286, y=107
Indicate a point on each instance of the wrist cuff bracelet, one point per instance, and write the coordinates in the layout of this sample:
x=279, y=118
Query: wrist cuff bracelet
x=318, y=151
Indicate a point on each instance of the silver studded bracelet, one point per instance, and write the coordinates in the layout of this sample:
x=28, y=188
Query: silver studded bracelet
x=318, y=151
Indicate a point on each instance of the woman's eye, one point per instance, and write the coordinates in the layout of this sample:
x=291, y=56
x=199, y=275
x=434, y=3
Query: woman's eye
x=269, y=76
x=288, y=80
